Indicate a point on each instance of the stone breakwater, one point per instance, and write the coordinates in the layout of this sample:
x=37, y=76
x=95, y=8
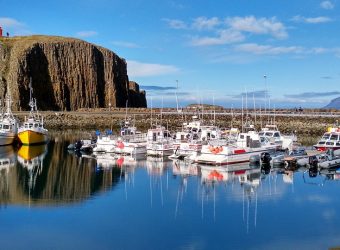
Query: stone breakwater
x=142, y=118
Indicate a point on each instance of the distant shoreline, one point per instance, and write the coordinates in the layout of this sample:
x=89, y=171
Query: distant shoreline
x=306, y=123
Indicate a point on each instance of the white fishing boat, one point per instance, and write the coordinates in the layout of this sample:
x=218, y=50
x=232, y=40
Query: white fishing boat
x=8, y=124
x=159, y=142
x=106, y=142
x=189, y=141
x=131, y=141
x=247, y=145
x=274, y=135
x=329, y=140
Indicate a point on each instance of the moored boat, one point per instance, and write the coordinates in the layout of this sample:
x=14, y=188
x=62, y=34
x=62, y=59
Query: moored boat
x=329, y=140
x=247, y=145
x=32, y=132
x=159, y=142
x=8, y=125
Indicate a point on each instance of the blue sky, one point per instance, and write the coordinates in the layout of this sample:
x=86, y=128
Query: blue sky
x=216, y=50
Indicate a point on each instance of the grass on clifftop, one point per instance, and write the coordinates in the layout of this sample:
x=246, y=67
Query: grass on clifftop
x=36, y=38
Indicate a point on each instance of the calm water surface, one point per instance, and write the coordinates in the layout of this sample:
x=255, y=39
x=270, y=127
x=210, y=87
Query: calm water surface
x=52, y=199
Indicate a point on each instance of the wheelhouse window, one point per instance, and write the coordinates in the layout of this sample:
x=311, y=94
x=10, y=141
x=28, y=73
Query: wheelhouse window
x=30, y=125
x=325, y=136
x=5, y=126
x=334, y=137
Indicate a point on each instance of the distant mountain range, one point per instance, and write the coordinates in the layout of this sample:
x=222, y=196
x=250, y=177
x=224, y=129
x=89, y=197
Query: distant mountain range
x=334, y=104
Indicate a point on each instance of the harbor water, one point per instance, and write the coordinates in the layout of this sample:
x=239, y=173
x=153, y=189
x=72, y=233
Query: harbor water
x=54, y=199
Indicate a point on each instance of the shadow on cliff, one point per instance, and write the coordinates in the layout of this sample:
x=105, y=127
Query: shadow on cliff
x=38, y=71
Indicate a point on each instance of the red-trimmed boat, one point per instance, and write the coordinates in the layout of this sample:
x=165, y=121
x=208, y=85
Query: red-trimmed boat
x=248, y=145
x=329, y=140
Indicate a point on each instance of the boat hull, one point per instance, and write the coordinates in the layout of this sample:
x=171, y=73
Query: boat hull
x=6, y=139
x=29, y=137
x=325, y=148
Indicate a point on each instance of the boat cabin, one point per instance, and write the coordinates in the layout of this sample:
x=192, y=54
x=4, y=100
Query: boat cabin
x=158, y=134
x=271, y=131
x=250, y=140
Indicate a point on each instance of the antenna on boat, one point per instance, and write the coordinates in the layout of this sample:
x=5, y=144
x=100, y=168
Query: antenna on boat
x=214, y=109
x=232, y=115
x=260, y=116
x=265, y=94
x=254, y=108
x=242, y=114
x=162, y=111
x=126, y=109
x=245, y=89
x=151, y=112
x=176, y=96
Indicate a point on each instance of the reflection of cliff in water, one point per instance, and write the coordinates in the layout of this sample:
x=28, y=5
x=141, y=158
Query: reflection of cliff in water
x=54, y=176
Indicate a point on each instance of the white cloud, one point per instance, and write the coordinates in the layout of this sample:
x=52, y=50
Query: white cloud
x=13, y=26
x=258, y=26
x=139, y=69
x=327, y=5
x=267, y=49
x=224, y=37
x=125, y=44
x=86, y=33
x=204, y=23
x=7, y=22
x=175, y=24
x=313, y=20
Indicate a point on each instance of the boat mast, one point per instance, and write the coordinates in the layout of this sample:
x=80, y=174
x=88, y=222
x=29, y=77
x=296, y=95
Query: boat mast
x=176, y=96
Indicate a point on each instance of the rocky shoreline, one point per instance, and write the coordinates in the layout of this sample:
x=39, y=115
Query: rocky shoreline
x=103, y=119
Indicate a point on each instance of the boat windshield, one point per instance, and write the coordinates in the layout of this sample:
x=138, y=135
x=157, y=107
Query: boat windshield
x=269, y=134
x=30, y=125
x=329, y=143
x=325, y=136
x=5, y=126
x=334, y=137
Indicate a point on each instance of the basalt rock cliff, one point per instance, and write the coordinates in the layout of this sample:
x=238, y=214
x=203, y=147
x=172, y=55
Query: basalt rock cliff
x=66, y=74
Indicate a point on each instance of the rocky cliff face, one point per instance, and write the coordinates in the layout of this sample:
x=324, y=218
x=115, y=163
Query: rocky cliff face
x=67, y=74
x=334, y=104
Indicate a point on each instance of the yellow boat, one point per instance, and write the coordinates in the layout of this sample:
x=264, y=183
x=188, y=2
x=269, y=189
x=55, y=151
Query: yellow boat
x=31, y=136
x=32, y=131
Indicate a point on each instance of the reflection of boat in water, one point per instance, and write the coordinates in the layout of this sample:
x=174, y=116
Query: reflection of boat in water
x=180, y=167
x=7, y=158
x=32, y=156
x=107, y=160
x=156, y=166
x=245, y=173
